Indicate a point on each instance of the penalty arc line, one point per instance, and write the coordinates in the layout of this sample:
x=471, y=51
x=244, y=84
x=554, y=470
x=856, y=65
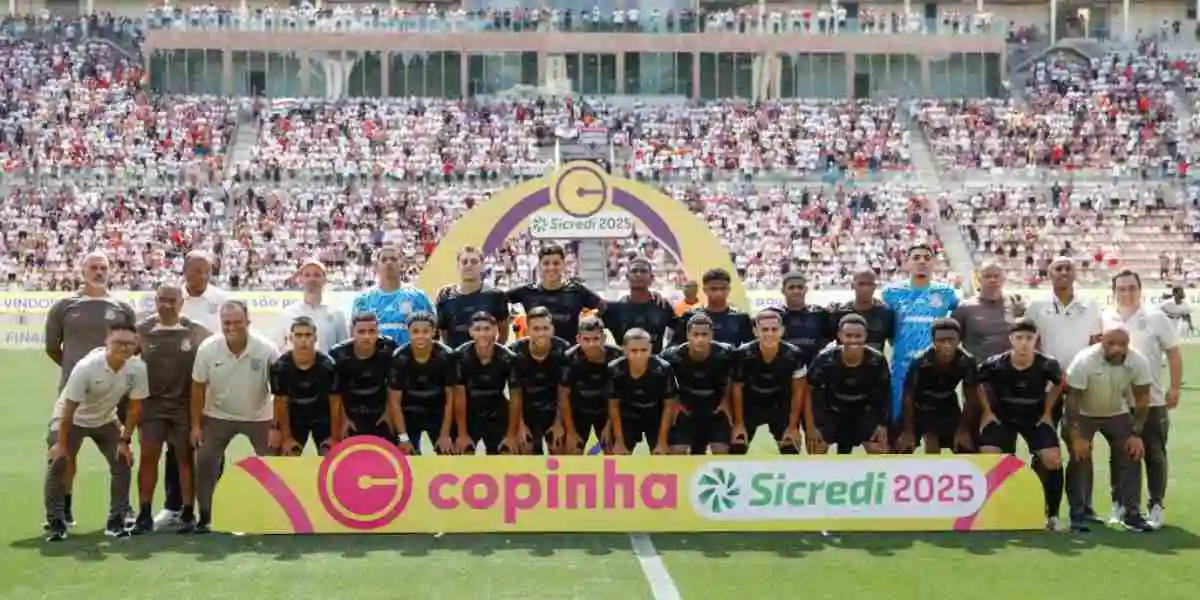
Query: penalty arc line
x=662, y=586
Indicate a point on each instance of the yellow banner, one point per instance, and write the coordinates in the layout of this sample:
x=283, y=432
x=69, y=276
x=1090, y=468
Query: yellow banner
x=365, y=485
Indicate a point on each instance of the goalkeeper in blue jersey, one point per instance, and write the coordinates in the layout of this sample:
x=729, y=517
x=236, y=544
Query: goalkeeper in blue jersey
x=916, y=303
x=389, y=300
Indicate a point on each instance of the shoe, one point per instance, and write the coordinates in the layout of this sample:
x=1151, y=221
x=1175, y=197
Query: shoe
x=1080, y=525
x=69, y=518
x=115, y=528
x=1053, y=524
x=56, y=531
x=130, y=518
x=202, y=528
x=1091, y=517
x=1156, y=518
x=1135, y=522
x=142, y=525
x=166, y=519
x=1118, y=514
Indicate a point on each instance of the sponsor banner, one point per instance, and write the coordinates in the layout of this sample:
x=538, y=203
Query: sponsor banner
x=365, y=485
x=555, y=225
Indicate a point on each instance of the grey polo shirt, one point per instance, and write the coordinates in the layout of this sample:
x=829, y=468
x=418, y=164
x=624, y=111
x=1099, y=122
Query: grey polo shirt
x=1107, y=388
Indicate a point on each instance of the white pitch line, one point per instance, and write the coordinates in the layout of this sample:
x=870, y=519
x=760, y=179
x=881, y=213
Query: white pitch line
x=662, y=587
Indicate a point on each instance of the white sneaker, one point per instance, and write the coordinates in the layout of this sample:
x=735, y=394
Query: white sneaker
x=1054, y=524
x=1156, y=517
x=166, y=519
x=1118, y=514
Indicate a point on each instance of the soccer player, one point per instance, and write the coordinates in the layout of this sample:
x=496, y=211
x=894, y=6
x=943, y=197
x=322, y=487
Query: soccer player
x=168, y=343
x=481, y=408
x=533, y=399
x=847, y=403
x=564, y=298
x=582, y=400
x=702, y=371
x=1178, y=309
x=931, y=410
x=1018, y=393
x=87, y=408
x=916, y=303
x=390, y=300
x=457, y=303
x=327, y=319
x=730, y=326
x=880, y=318
x=78, y=324
x=359, y=403
x=1099, y=379
x=302, y=381
x=641, y=308
x=422, y=379
x=767, y=387
x=641, y=396
x=1156, y=338
x=231, y=396
x=805, y=326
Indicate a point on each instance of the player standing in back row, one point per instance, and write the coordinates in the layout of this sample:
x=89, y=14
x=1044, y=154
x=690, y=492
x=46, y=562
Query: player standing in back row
x=458, y=302
x=642, y=308
x=730, y=325
x=564, y=298
x=917, y=303
x=880, y=318
x=390, y=300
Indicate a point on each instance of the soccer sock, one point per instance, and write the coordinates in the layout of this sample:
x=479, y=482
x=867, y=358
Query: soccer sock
x=188, y=513
x=789, y=449
x=739, y=449
x=144, y=510
x=1052, y=485
x=67, y=504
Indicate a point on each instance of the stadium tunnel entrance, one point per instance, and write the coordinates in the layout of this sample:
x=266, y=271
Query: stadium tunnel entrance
x=574, y=196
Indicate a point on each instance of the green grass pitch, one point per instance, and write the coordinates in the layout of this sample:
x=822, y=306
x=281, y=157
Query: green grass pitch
x=1100, y=564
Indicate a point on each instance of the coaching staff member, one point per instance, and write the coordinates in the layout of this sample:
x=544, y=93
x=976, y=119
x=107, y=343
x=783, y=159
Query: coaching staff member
x=230, y=397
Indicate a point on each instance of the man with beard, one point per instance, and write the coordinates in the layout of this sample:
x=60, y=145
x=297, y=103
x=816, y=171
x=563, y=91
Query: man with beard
x=848, y=402
x=582, y=402
x=390, y=300
x=359, y=404
x=641, y=388
x=880, y=318
x=422, y=380
x=330, y=321
x=702, y=370
x=302, y=380
x=456, y=303
x=566, y=299
x=533, y=399
x=485, y=369
x=767, y=387
x=641, y=308
x=730, y=326
x=805, y=326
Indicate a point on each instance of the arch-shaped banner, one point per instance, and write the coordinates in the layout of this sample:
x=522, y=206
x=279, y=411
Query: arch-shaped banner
x=582, y=189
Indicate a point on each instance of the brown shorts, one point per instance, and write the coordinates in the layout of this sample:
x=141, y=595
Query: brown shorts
x=172, y=431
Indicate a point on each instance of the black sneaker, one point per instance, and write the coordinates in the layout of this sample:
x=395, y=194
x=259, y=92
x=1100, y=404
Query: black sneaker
x=1091, y=517
x=202, y=528
x=1135, y=522
x=187, y=524
x=115, y=528
x=142, y=525
x=1080, y=524
x=130, y=518
x=56, y=531
x=69, y=518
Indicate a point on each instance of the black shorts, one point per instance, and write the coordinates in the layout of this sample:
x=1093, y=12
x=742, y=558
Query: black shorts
x=368, y=424
x=847, y=429
x=420, y=422
x=940, y=424
x=699, y=429
x=775, y=418
x=641, y=425
x=1003, y=435
x=539, y=423
x=490, y=429
x=303, y=428
x=587, y=423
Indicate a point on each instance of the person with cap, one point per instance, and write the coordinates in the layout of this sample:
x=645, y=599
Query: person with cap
x=1099, y=382
x=332, y=326
x=642, y=308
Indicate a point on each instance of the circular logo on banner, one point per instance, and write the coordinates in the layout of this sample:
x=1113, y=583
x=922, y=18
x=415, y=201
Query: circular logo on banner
x=581, y=191
x=365, y=483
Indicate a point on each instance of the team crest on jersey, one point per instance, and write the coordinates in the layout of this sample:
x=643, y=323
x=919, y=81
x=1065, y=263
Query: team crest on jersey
x=256, y=364
x=110, y=314
x=185, y=346
x=935, y=301
x=404, y=307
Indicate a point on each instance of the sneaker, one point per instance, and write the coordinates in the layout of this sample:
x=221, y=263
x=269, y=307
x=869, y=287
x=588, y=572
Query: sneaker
x=1156, y=519
x=142, y=525
x=1080, y=524
x=69, y=517
x=56, y=531
x=1118, y=514
x=1091, y=517
x=202, y=528
x=1135, y=522
x=130, y=518
x=115, y=528
x=1053, y=524
x=166, y=519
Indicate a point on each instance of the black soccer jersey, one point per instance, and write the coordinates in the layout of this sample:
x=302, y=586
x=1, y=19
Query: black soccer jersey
x=306, y=389
x=655, y=316
x=701, y=382
x=807, y=329
x=730, y=326
x=538, y=379
x=644, y=394
x=881, y=322
x=934, y=387
x=588, y=380
x=767, y=384
x=485, y=382
x=423, y=384
x=564, y=304
x=838, y=387
x=363, y=383
x=454, y=310
x=1019, y=395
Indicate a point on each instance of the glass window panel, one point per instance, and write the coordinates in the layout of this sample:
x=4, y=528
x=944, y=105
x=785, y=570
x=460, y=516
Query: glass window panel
x=159, y=61
x=836, y=77
x=685, y=82
x=725, y=77
x=476, y=74
x=449, y=73
x=708, y=76
x=787, y=76
x=573, y=71
x=529, y=68
x=633, y=73
x=992, y=76
x=608, y=74
x=939, y=77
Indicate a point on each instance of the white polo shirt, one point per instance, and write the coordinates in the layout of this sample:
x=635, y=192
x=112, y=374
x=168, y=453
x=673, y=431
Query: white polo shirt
x=1065, y=331
x=1151, y=333
x=205, y=309
x=332, y=325
x=98, y=389
x=238, y=386
x=1107, y=387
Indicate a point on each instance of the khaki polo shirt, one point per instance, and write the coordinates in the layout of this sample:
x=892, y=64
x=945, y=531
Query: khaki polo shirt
x=1107, y=388
x=238, y=385
x=1152, y=333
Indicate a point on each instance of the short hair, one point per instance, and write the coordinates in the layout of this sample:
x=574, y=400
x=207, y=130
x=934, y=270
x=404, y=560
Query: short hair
x=421, y=316
x=238, y=304
x=852, y=319
x=919, y=246
x=482, y=316
x=551, y=250
x=468, y=250
x=303, y=322
x=121, y=326
x=643, y=261
x=636, y=334
x=1023, y=325
x=1126, y=273
x=794, y=276
x=538, y=312
x=699, y=320
x=591, y=325
x=946, y=324
x=768, y=314
x=365, y=316
x=717, y=275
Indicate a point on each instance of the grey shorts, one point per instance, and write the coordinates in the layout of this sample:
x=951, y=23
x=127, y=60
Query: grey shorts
x=172, y=431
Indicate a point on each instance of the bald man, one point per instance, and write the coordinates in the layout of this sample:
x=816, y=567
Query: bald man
x=79, y=323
